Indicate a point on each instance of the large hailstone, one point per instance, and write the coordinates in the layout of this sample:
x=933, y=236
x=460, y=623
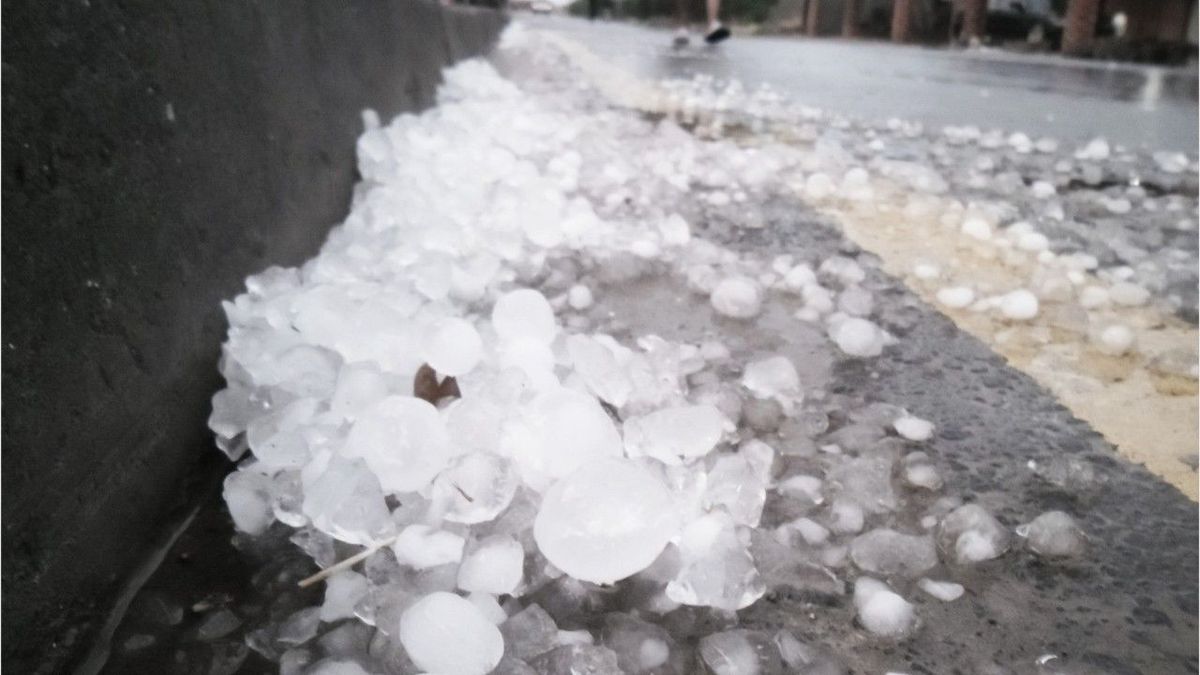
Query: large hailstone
x=453, y=347
x=737, y=297
x=608, y=520
x=858, y=337
x=445, y=633
x=403, y=441
x=524, y=315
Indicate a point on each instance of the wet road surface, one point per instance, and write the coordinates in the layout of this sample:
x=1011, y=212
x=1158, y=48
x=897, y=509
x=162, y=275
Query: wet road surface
x=1070, y=100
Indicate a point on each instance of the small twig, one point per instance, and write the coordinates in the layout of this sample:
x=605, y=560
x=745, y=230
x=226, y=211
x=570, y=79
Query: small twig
x=345, y=564
x=462, y=492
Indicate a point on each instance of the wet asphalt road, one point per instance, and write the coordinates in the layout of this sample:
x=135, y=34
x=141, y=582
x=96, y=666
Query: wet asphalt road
x=1070, y=100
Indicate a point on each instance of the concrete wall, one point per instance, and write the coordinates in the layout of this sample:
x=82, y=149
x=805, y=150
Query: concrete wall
x=155, y=152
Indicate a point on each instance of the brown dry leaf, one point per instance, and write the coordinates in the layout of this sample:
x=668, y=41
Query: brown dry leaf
x=426, y=385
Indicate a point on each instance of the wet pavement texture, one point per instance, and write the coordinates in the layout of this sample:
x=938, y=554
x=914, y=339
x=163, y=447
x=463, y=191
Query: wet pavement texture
x=1150, y=106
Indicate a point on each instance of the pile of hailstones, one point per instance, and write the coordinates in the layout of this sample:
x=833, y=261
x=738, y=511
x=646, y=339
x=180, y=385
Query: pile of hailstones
x=565, y=476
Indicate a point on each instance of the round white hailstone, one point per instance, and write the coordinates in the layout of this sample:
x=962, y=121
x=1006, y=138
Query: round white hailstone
x=813, y=533
x=807, y=315
x=489, y=606
x=973, y=546
x=946, y=591
x=1053, y=534
x=1128, y=294
x=1019, y=305
x=881, y=611
x=926, y=272
x=819, y=186
x=770, y=377
x=453, y=347
x=737, y=297
x=913, y=428
x=579, y=297
x=644, y=248
x=956, y=297
x=475, y=488
x=799, y=276
x=1046, y=145
x=608, y=520
x=495, y=567
x=1116, y=340
x=847, y=516
x=713, y=350
x=524, y=314
x=421, y=546
x=445, y=633
x=1097, y=148
x=1118, y=206
x=1092, y=297
x=802, y=486
x=858, y=337
x=846, y=270
x=817, y=298
x=403, y=440
x=1015, y=230
x=674, y=230
x=977, y=227
x=855, y=301
x=1033, y=242
x=652, y=653
x=1042, y=189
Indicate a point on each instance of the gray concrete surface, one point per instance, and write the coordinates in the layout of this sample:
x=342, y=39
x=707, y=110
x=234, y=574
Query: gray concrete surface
x=154, y=155
x=1071, y=100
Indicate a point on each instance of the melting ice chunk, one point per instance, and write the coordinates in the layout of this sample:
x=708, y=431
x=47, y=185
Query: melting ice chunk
x=342, y=592
x=598, y=367
x=890, y=553
x=1053, y=534
x=248, y=496
x=675, y=435
x=969, y=534
x=344, y=500
x=444, y=633
x=946, y=591
x=559, y=431
x=772, y=377
x=718, y=569
x=736, y=484
x=913, y=428
x=608, y=520
x=740, y=652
